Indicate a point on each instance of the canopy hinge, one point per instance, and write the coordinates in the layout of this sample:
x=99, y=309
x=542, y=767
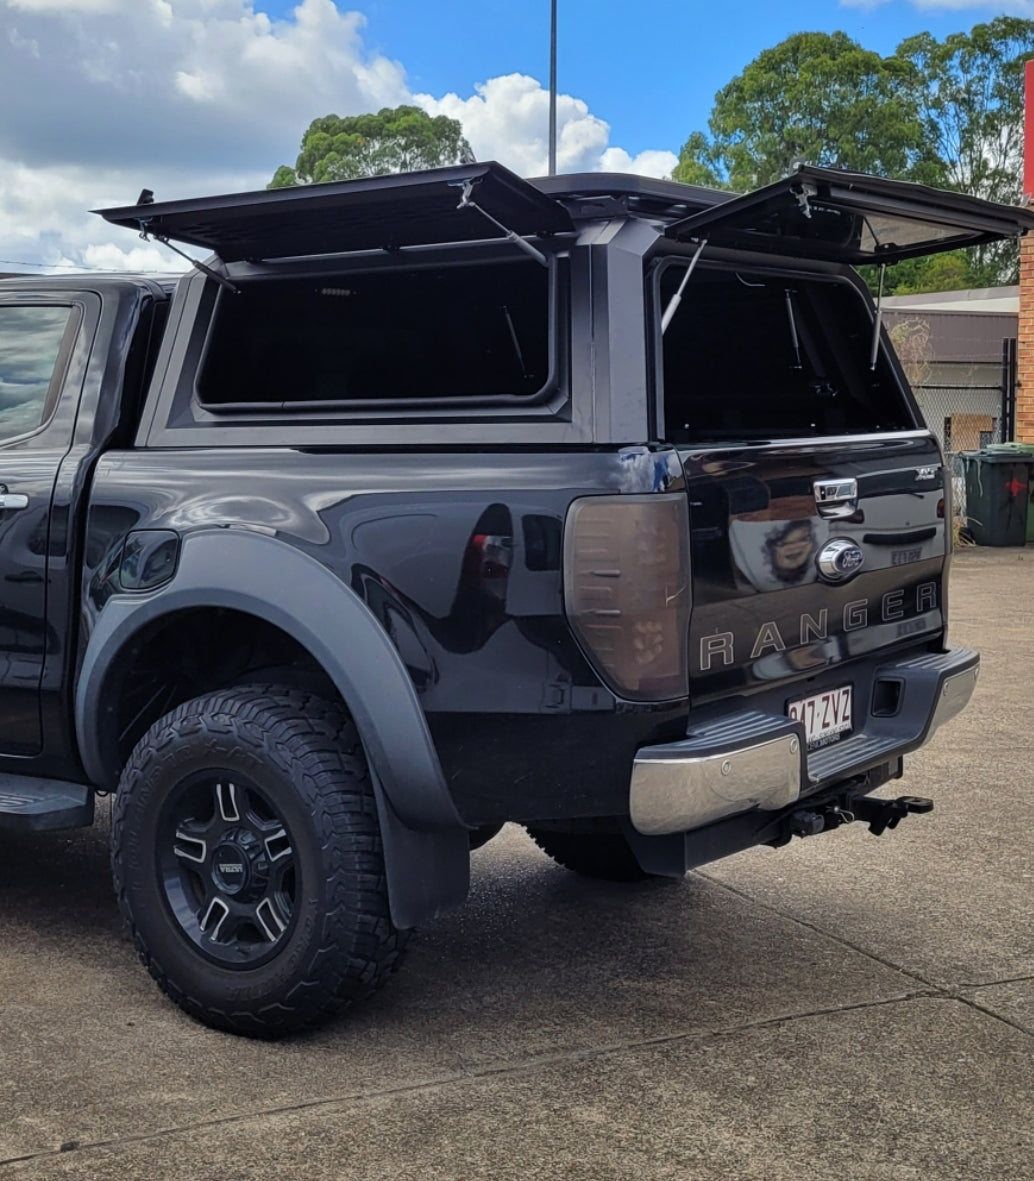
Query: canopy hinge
x=803, y=193
x=147, y=198
x=467, y=203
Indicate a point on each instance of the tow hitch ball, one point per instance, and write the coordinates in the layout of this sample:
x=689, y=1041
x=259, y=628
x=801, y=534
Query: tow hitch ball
x=878, y=814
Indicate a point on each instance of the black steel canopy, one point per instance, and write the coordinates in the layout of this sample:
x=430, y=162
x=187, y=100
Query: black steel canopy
x=815, y=213
x=853, y=218
x=609, y=194
x=375, y=213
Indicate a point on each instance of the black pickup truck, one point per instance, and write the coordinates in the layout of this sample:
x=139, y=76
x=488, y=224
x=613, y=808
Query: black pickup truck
x=436, y=501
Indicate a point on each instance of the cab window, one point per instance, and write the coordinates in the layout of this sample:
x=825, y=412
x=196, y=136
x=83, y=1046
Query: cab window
x=31, y=339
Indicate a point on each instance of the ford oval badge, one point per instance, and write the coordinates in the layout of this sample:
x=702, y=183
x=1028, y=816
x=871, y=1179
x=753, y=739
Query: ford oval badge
x=839, y=559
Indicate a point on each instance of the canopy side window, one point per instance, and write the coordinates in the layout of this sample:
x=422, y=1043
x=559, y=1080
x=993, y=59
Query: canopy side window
x=389, y=340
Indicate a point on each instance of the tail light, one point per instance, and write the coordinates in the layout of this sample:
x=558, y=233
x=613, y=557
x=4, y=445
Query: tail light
x=626, y=590
x=946, y=510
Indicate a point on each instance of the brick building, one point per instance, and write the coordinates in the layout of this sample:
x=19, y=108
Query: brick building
x=1025, y=344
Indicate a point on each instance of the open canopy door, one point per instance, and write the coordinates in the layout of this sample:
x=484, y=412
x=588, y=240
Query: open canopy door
x=852, y=218
x=376, y=213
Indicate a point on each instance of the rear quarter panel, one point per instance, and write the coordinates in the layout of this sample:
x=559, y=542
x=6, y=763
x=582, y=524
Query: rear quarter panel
x=491, y=657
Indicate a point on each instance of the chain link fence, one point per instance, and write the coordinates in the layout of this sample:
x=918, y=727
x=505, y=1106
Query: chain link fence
x=964, y=418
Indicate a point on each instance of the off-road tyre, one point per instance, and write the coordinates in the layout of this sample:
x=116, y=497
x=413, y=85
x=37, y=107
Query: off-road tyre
x=605, y=856
x=320, y=936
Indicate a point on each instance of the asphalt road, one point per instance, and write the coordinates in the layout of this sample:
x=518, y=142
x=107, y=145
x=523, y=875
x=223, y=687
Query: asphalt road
x=846, y=1008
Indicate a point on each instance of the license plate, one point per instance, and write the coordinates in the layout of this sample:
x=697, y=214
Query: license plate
x=826, y=716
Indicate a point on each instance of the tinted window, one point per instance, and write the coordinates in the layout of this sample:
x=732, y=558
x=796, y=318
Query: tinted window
x=30, y=343
x=406, y=337
x=757, y=356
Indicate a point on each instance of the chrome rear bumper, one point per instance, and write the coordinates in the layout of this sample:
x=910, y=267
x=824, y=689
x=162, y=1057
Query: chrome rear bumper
x=756, y=760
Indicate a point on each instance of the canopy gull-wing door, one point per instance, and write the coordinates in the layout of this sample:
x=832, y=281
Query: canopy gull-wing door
x=850, y=217
x=468, y=202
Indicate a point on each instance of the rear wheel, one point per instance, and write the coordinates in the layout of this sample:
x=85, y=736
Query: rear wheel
x=606, y=856
x=247, y=859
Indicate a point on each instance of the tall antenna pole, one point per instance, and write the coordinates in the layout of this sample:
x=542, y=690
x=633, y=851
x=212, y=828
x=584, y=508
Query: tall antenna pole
x=552, y=88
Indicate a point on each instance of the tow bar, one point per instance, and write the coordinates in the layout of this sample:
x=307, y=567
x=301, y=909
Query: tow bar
x=878, y=814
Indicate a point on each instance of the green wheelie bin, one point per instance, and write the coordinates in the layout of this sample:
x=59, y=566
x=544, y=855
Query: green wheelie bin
x=997, y=494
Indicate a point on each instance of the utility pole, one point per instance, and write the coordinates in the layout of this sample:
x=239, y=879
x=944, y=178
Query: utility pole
x=552, y=88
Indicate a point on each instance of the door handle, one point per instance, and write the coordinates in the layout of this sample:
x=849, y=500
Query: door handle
x=13, y=500
x=836, y=498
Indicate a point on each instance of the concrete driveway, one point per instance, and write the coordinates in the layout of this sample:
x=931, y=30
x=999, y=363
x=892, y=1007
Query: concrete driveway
x=844, y=1008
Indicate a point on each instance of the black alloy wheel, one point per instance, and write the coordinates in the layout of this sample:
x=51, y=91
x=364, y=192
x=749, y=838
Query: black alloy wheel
x=247, y=859
x=228, y=869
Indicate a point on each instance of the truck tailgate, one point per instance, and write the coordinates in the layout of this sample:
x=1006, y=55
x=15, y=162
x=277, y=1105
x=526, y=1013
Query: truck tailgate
x=806, y=556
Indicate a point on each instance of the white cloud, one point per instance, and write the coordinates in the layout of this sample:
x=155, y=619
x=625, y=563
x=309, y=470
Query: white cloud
x=82, y=6
x=507, y=119
x=45, y=218
x=648, y=163
x=184, y=81
x=107, y=256
x=104, y=97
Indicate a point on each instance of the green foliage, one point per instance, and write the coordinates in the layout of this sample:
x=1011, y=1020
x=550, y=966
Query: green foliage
x=283, y=178
x=968, y=92
x=818, y=97
x=938, y=272
x=699, y=164
x=944, y=113
x=396, y=139
x=954, y=270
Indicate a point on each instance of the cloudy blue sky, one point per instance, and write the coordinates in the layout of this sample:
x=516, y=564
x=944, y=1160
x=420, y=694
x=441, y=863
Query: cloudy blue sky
x=100, y=98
